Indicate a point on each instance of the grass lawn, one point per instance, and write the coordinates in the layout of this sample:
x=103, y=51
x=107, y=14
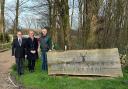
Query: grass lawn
x=40, y=80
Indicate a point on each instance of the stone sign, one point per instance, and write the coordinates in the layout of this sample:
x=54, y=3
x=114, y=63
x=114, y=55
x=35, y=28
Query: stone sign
x=98, y=62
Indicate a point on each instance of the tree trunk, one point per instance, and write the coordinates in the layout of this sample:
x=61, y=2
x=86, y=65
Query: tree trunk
x=92, y=17
x=59, y=23
x=0, y=17
x=2, y=22
x=65, y=23
x=73, y=6
x=16, y=17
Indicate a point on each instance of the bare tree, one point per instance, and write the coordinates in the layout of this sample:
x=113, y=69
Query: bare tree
x=2, y=19
x=15, y=10
x=73, y=6
x=16, y=17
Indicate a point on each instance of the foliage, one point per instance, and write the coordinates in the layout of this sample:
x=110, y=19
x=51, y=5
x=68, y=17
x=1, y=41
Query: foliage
x=4, y=38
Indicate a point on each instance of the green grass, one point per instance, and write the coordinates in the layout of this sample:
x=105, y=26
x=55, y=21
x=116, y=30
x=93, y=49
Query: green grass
x=40, y=80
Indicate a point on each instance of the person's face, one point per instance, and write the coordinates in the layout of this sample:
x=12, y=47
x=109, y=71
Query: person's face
x=31, y=34
x=19, y=34
x=44, y=32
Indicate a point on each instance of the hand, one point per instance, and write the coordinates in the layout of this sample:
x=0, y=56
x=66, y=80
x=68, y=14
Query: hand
x=13, y=56
x=33, y=51
x=50, y=50
x=25, y=56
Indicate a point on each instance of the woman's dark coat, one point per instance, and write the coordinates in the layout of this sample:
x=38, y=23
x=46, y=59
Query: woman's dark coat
x=32, y=45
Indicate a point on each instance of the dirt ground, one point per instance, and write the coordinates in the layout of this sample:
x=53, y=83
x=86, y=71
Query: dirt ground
x=6, y=61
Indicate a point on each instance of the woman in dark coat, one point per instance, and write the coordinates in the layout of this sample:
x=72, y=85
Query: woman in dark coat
x=32, y=50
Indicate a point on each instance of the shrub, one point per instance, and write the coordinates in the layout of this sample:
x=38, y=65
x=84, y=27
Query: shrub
x=4, y=37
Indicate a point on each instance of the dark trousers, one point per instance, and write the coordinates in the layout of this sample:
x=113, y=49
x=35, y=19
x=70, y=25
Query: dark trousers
x=20, y=65
x=31, y=64
x=44, y=61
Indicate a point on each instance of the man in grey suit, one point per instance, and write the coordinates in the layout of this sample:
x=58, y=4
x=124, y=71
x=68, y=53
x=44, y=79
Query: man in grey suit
x=18, y=50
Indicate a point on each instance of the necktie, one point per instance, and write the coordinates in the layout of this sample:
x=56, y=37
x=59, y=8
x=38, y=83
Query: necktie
x=20, y=42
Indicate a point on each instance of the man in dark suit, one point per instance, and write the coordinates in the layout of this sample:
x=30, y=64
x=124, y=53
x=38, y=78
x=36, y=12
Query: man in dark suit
x=18, y=50
x=32, y=53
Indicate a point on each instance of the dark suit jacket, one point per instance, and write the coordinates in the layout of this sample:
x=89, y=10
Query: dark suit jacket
x=17, y=50
x=32, y=45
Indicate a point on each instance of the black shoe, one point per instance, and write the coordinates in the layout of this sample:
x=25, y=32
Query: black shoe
x=19, y=74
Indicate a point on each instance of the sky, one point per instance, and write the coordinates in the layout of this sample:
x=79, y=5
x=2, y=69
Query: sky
x=25, y=16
